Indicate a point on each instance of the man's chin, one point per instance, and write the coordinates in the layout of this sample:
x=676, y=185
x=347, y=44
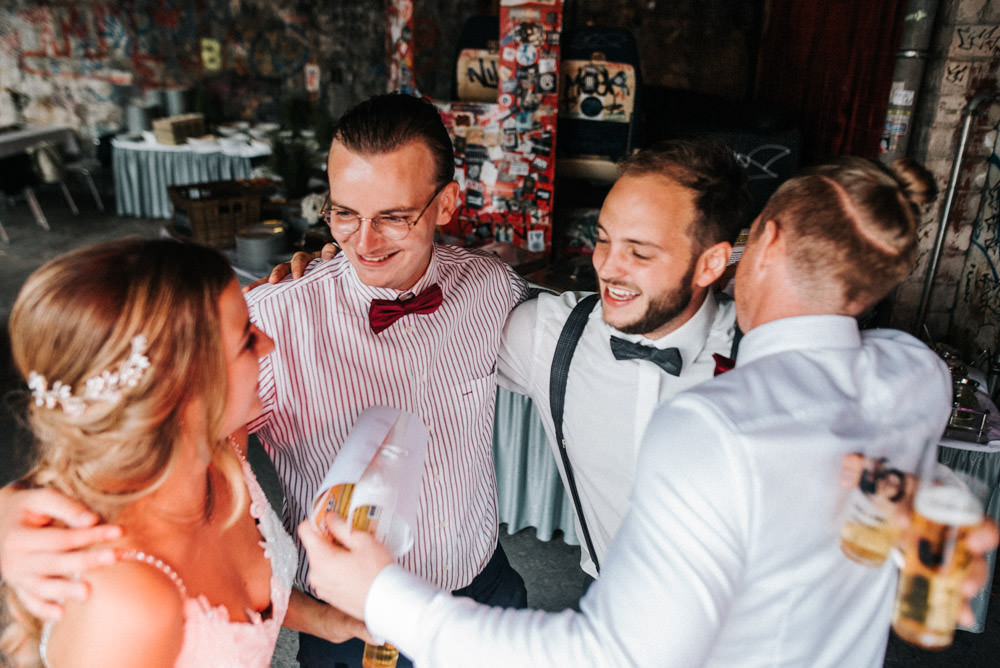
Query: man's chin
x=620, y=320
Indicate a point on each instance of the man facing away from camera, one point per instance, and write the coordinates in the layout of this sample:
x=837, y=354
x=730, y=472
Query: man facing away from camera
x=729, y=554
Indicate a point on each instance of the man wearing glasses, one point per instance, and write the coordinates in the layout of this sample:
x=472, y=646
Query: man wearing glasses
x=394, y=320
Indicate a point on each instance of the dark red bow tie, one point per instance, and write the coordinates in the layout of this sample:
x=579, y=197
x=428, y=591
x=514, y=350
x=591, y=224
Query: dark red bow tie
x=384, y=312
x=722, y=363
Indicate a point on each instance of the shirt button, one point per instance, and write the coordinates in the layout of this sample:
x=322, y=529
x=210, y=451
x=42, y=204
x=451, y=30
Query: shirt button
x=409, y=330
x=443, y=525
x=422, y=378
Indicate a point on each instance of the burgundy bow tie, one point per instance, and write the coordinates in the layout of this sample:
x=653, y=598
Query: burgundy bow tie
x=722, y=363
x=384, y=312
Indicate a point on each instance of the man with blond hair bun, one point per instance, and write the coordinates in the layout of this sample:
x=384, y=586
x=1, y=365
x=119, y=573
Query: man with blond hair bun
x=729, y=554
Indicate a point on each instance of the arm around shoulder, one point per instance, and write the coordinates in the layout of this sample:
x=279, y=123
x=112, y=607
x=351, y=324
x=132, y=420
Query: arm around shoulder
x=134, y=616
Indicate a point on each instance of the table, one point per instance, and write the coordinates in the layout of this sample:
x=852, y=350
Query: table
x=981, y=460
x=529, y=489
x=14, y=142
x=144, y=169
x=16, y=173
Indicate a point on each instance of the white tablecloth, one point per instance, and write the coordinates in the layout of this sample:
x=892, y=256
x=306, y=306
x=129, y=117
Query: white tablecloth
x=983, y=461
x=144, y=169
x=19, y=141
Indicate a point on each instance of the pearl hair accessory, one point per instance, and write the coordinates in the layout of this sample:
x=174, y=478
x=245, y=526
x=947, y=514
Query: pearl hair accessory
x=106, y=387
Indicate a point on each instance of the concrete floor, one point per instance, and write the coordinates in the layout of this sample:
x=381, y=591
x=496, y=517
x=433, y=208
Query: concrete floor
x=550, y=569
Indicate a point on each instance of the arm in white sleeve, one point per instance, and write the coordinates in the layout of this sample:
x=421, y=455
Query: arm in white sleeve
x=516, y=357
x=663, y=594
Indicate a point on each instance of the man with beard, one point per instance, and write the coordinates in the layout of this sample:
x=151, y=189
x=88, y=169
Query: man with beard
x=665, y=235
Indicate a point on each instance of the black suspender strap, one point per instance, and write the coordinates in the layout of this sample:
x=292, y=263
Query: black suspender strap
x=565, y=348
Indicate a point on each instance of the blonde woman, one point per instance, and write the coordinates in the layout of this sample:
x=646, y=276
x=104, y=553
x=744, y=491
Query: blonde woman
x=141, y=361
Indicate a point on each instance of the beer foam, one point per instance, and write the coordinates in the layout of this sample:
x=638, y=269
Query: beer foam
x=954, y=506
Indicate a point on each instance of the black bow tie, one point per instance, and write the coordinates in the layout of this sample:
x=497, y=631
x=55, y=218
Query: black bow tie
x=668, y=359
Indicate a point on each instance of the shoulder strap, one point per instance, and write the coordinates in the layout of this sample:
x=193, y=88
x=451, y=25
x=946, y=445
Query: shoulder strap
x=565, y=348
x=737, y=336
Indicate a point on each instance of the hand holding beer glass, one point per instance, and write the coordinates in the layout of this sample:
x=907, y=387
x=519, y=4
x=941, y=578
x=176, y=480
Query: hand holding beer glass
x=936, y=557
x=870, y=529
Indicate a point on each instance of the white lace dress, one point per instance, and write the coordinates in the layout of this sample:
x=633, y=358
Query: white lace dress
x=210, y=638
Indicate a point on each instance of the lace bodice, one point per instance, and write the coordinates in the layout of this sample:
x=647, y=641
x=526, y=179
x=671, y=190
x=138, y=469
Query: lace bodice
x=210, y=638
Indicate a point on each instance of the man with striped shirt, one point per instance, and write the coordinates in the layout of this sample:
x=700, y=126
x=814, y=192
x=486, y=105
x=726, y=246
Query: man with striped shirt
x=394, y=320
x=390, y=168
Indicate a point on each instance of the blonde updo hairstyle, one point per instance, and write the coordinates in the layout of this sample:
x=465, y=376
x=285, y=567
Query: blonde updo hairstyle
x=852, y=226
x=74, y=319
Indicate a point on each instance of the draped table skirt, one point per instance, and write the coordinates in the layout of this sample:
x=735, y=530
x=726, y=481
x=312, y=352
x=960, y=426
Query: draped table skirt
x=143, y=170
x=530, y=492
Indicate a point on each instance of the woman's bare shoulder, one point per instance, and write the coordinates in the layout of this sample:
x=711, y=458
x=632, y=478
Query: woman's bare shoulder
x=133, y=616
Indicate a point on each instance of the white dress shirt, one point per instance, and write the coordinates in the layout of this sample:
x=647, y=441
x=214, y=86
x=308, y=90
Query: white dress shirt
x=608, y=401
x=328, y=366
x=729, y=555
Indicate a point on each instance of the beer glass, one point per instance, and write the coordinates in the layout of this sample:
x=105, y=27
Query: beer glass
x=870, y=530
x=935, y=558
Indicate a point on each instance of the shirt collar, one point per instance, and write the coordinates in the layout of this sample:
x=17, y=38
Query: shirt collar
x=807, y=332
x=689, y=338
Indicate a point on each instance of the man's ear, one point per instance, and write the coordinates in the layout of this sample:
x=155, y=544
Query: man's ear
x=770, y=240
x=712, y=263
x=448, y=200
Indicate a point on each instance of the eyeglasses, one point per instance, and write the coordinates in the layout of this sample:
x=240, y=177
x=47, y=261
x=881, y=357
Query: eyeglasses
x=344, y=222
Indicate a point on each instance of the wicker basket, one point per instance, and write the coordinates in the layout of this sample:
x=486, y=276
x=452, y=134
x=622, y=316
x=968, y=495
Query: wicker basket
x=215, y=211
x=177, y=129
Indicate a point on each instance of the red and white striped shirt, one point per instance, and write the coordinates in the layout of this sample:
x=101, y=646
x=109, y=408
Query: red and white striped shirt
x=328, y=366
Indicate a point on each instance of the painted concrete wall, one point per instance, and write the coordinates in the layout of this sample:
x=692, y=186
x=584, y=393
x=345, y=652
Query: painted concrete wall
x=82, y=61
x=964, y=304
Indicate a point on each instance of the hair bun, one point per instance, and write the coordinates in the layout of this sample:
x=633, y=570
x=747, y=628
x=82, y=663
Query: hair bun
x=915, y=180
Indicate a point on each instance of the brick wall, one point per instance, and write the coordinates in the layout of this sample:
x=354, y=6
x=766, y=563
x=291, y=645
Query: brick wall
x=964, y=62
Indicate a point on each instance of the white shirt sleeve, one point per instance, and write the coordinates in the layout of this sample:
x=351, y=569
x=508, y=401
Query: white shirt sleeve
x=664, y=589
x=516, y=357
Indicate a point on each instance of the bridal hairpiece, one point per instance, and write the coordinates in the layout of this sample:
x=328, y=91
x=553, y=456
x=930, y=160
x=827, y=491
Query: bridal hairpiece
x=106, y=387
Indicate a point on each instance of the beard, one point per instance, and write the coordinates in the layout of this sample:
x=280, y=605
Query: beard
x=665, y=307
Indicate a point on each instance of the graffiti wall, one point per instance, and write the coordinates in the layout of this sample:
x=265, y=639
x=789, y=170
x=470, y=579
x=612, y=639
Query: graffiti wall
x=976, y=319
x=83, y=62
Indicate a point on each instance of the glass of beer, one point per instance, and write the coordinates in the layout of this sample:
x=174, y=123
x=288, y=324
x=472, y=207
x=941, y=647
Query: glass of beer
x=870, y=530
x=947, y=505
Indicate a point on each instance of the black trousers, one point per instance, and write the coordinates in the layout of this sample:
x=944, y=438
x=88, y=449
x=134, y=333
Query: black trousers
x=498, y=584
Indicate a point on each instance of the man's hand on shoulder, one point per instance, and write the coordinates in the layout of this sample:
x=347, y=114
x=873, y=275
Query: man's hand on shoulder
x=46, y=541
x=296, y=266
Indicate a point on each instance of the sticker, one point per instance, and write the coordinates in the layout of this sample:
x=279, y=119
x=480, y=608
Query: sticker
x=488, y=174
x=211, y=55
x=496, y=152
x=547, y=82
x=547, y=65
x=519, y=168
x=473, y=199
x=312, y=78
x=540, y=164
x=509, y=54
x=542, y=145
x=536, y=241
x=526, y=54
x=899, y=96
